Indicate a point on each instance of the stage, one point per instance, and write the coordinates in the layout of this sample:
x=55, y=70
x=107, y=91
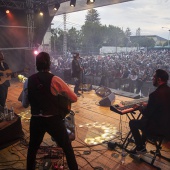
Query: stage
x=95, y=126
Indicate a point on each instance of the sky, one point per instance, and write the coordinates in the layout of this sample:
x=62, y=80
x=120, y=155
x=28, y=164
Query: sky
x=148, y=15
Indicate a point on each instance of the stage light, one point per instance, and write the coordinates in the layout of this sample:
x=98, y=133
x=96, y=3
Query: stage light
x=73, y=3
x=7, y=11
x=41, y=13
x=90, y=1
x=36, y=52
x=56, y=6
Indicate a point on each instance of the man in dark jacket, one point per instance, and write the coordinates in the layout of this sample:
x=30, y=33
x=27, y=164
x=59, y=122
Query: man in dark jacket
x=43, y=92
x=156, y=114
x=76, y=72
x=3, y=84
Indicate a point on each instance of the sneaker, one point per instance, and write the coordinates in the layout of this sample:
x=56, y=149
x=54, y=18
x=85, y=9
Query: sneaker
x=138, y=150
x=78, y=94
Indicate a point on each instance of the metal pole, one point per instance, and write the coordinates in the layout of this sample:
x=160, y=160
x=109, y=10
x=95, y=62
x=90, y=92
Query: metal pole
x=168, y=37
x=168, y=34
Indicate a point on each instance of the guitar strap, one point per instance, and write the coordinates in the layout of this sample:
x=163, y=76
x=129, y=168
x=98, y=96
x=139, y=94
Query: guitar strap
x=2, y=65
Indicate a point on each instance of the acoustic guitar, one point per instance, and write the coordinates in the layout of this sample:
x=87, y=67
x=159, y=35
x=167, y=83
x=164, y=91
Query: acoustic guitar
x=7, y=74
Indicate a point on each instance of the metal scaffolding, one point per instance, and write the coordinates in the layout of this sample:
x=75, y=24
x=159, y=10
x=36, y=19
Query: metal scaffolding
x=12, y=4
x=30, y=22
x=65, y=36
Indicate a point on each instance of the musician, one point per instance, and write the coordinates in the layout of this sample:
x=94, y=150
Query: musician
x=76, y=72
x=156, y=114
x=4, y=86
x=41, y=91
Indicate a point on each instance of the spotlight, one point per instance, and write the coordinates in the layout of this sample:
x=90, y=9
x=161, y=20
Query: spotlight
x=73, y=3
x=7, y=11
x=90, y=2
x=56, y=6
x=36, y=52
x=41, y=13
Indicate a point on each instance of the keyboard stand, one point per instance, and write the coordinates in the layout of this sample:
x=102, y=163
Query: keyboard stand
x=128, y=138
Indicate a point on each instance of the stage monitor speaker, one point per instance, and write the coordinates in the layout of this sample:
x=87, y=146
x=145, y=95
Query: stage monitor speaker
x=10, y=131
x=85, y=87
x=107, y=101
x=103, y=91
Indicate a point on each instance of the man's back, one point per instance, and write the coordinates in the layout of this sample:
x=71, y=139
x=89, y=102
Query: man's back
x=158, y=110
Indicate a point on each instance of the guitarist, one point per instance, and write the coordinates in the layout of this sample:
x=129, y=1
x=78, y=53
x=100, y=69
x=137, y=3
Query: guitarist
x=41, y=91
x=4, y=86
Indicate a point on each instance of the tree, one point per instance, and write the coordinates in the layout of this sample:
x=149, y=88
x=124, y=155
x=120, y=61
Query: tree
x=57, y=40
x=126, y=39
x=92, y=33
x=73, y=40
x=92, y=17
x=128, y=32
x=138, y=31
x=112, y=36
x=142, y=41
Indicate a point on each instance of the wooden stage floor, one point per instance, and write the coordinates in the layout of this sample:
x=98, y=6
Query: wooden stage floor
x=95, y=125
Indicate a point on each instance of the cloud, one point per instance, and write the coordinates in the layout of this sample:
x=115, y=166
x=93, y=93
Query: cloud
x=150, y=16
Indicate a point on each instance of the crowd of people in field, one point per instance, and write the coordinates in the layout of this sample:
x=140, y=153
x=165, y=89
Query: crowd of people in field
x=128, y=70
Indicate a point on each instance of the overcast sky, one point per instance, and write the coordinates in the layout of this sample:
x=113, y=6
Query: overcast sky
x=148, y=15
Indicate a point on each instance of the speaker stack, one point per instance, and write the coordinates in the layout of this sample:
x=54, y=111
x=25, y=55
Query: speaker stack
x=107, y=101
x=103, y=91
x=85, y=87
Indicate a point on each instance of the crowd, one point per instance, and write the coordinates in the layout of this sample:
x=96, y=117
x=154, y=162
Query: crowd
x=127, y=71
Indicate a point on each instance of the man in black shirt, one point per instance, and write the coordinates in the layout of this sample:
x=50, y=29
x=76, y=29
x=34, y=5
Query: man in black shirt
x=155, y=115
x=3, y=84
x=43, y=92
x=76, y=72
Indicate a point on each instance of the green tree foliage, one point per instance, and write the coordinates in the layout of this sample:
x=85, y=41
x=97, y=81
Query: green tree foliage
x=92, y=17
x=166, y=43
x=73, y=40
x=57, y=40
x=112, y=36
x=143, y=42
x=92, y=33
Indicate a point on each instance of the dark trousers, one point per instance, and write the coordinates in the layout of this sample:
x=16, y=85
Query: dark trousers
x=56, y=128
x=139, y=84
x=77, y=84
x=3, y=94
x=138, y=129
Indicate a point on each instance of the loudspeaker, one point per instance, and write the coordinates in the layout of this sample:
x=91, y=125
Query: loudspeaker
x=107, y=101
x=85, y=87
x=103, y=91
x=10, y=131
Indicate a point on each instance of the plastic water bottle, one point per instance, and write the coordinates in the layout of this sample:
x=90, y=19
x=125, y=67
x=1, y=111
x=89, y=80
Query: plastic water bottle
x=12, y=113
x=5, y=112
x=123, y=155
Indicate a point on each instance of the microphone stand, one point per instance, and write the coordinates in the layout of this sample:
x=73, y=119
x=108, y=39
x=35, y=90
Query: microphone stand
x=82, y=77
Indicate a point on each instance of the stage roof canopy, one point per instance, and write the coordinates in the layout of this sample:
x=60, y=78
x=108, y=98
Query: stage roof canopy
x=64, y=5
x=25, y=22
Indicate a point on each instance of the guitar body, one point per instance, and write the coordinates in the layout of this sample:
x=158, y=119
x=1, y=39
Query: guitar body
x=6, y=75
x=64, y=106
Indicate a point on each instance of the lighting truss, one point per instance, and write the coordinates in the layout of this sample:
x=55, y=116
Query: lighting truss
x=13, y=4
